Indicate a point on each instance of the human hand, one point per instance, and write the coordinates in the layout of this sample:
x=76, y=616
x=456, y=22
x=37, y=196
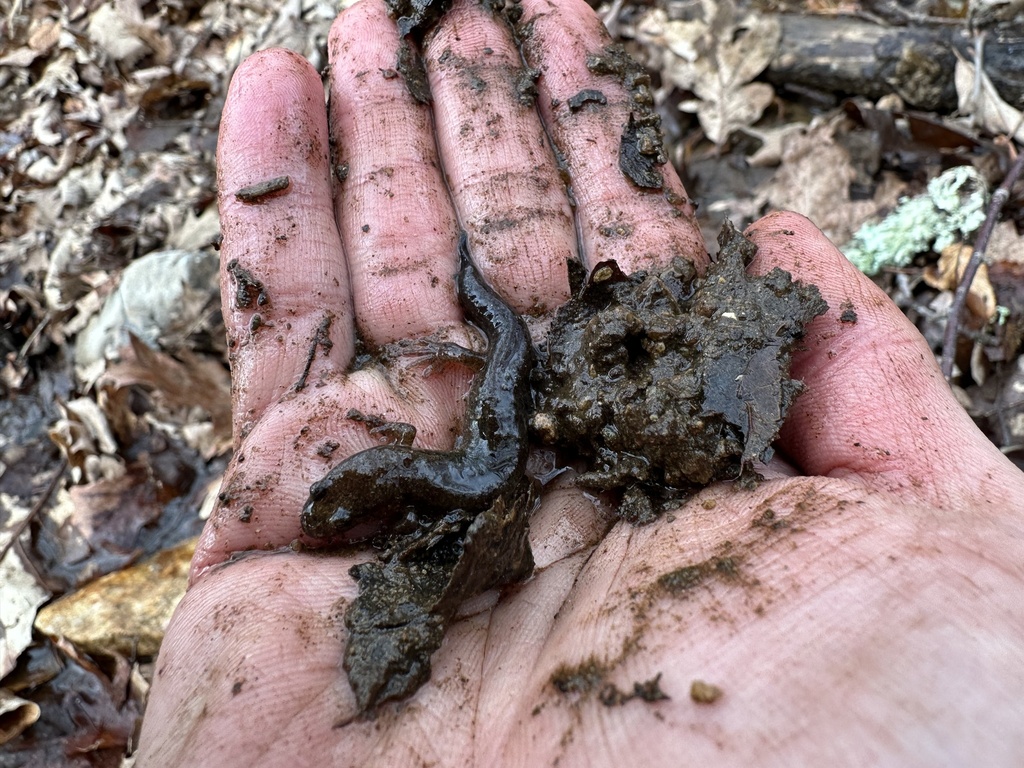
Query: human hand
x=860, y=606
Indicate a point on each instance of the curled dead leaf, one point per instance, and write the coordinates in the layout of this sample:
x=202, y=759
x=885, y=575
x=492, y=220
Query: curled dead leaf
x=16, y=714
x=978, y=97
x=946, y=275
x=84, y=437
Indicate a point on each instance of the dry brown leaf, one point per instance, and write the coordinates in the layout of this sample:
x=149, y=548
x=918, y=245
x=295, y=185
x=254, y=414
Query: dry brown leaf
x=85, y=439
x=946, y=276
x=110, y=513
x=195, y=381
x=114, y=29
x=814, y=178
x=978, y=98
x=716, y=59
x=20, y=597
x=1006, y=246
x=16, y=714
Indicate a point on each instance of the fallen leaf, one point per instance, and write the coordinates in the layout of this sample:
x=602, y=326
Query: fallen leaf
x=20, y=598
x=814, y=178
x=84, y=437
x=978, y=97
x=716, y=58
x=16, y=714
x=194, y=381
x=946, y=276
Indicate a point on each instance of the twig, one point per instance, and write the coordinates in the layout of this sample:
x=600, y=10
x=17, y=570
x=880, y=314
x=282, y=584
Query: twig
x=19, y=529
x=999, y=198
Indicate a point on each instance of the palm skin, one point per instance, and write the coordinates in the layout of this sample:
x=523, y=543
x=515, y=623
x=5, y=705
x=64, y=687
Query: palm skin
x=870, y=612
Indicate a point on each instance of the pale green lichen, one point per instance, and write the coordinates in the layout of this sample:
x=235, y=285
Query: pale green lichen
x=952, y=209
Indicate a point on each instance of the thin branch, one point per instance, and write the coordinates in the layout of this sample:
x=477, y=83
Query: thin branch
x=999, y=198
x=19, y=529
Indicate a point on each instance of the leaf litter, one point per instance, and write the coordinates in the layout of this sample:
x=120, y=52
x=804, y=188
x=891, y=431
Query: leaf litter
x=107, y=132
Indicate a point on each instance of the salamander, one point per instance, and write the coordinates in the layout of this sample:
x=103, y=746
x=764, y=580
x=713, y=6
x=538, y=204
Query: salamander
x=489, y=458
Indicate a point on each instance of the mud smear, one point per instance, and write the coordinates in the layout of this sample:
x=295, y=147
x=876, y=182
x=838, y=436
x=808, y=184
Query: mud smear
x=321, y=340
x=663, y=382
x=641, y=150
x=249, y=291
x=577, y=101
x=260, y=191
x=410, y=66
x=416, y=17
x=525, y=85
x=408, y=599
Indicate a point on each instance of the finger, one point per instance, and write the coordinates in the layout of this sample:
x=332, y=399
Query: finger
x=618, y=220
x=285, y=291
x=396, y=219
x=499, y=164
x=875, y=403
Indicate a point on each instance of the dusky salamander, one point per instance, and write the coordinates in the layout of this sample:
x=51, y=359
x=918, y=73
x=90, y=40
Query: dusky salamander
x=489, y=458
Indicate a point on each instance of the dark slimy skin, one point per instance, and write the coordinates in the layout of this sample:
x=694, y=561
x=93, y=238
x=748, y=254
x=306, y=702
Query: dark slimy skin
x=490, y=457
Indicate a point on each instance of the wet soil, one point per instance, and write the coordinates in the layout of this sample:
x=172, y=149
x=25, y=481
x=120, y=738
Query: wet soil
x=641, y=150
x=663, y=382
x=408, y=598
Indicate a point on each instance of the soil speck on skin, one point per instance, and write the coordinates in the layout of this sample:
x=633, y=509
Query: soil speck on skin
x=768, y=519
x=589, y=676
x=663, y=382
x=849, y=314
x=260, y=191
x=580, y=678
x=704, y=693
x=587, y=95
x=680, y=581
x=249, y=291
x=322, y=339
x=327, y=448
x=525, y=84
x=648, y=691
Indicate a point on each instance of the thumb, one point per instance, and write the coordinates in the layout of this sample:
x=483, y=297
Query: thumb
x=875, y=404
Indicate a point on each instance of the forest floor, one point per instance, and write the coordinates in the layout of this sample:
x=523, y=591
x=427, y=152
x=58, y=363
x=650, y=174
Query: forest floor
x=112, y=444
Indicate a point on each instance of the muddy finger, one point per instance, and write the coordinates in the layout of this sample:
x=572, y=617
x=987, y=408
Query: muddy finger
x=393, y=210
x=285, y=293
x=598, y=106
x=500, y=167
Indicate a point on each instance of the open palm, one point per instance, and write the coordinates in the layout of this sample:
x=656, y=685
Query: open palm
x=861, y=606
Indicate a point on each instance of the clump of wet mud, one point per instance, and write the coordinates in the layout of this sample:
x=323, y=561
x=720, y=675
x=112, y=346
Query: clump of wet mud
x=663, y=382
x=408, y=598
x=416, y=17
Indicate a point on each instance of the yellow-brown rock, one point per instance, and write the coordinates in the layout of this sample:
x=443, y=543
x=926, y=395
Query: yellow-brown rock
x=124, y=612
